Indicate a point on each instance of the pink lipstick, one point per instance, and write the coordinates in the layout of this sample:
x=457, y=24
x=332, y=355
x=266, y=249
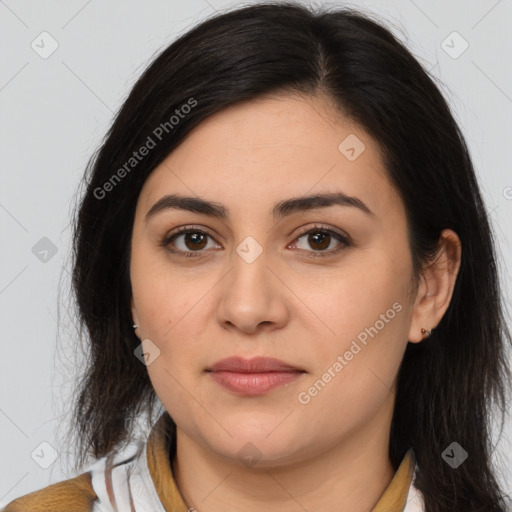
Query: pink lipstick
x=252, y=377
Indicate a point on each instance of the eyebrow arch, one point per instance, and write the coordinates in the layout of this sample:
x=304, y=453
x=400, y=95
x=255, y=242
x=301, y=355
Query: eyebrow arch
x=280, y=210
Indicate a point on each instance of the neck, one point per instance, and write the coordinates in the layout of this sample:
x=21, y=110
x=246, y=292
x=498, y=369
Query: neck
x=350, y=476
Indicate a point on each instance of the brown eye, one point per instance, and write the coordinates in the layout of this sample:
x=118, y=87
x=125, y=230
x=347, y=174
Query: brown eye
x=191, y=242
x=186, y=241
x=195, y=241
x=319, y=239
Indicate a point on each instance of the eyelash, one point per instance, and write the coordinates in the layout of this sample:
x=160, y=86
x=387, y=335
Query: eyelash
x=339, y=236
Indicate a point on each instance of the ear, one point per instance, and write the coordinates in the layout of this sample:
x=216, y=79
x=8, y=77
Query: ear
x=436, y=287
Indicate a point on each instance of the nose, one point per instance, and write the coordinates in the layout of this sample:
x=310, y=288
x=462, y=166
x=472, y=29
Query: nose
x=252, y=297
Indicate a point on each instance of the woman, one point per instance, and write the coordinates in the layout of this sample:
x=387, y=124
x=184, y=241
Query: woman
x=283, y=243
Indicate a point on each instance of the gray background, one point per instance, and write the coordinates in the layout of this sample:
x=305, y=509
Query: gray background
x=54, y=112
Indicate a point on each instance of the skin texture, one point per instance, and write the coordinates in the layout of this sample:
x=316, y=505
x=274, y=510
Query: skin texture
x=328, y=454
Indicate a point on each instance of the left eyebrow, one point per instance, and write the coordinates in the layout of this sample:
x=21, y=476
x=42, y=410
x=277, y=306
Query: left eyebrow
x=280, y=210
x=295, y=204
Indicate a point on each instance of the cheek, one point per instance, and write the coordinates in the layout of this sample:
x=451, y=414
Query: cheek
x=355, y=370
x=365, y=315
x=165, y=299
x=358, y=296
x=177, y=396
x=349, y=401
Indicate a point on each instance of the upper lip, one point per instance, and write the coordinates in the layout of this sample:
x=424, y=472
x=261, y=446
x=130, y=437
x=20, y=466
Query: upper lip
x=254, y=365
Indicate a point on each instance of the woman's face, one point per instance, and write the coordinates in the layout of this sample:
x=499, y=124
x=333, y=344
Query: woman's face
x=249, y=283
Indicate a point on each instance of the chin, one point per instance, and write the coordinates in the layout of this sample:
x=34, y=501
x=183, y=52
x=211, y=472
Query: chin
x=256, y=448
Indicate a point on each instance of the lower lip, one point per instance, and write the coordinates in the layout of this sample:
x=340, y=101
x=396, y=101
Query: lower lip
x=253, y=384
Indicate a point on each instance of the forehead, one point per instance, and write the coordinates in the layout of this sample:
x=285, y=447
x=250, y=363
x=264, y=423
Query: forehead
x=264, y=150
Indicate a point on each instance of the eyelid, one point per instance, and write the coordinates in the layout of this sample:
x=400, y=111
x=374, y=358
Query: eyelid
x=323, y=227
x=168, y=238
x=344, y=239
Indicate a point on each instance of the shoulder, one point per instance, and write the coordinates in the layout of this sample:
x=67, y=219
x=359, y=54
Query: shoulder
x=104, y=484
x=73, y=495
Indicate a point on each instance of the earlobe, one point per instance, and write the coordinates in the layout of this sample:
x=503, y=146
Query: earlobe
x=134, y=314
x=436, y=289
x=426, y=332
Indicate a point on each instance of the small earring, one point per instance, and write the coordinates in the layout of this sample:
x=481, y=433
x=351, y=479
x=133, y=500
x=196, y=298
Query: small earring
x=135, y=326
x=426, y=333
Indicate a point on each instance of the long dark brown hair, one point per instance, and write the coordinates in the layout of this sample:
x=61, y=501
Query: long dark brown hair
x=449, y=387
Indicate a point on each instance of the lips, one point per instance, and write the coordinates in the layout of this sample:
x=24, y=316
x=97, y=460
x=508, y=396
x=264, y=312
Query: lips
x=251, y=377
x=254, y=365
